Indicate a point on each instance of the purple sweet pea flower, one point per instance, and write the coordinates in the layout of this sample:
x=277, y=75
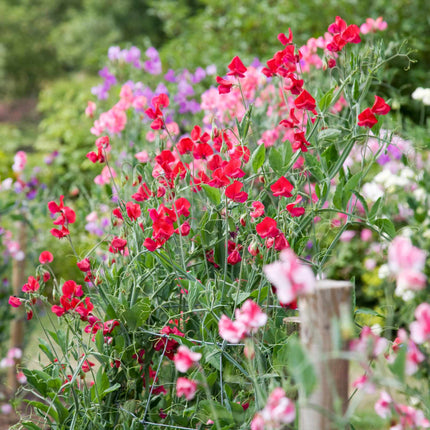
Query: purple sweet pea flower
x=211, y=70
x=114, y=53
x=198, y=76
x=170, y=76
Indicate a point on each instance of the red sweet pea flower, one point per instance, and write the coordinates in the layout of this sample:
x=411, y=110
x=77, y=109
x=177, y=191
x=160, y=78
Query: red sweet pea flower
x=258, y=209
x=232, y=169
x=380, y=107
x=338, y=26
x=182, y=206
x=67, y=215
x=156, y=114
x=237, y=68
x=282, y=187
x=46, y=257
x=185, y=145
x=15, y=301
x=202, y=151
x=367, y=118
x=60, y=233
x=300, y=142
x=233, y=192
x=224, y=85
x=351, y=34
x=267, y=228
x=31, y=286
x=305, y=101
x=84, y=265
x=133, y=210
x=219, y=179
x=118, y=244
x=71, y=289
x=296, y=212
x=294, y=85
x=143, y=193
x=284, y=39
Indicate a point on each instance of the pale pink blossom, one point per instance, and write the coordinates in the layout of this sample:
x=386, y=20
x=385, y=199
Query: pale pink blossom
x=184, y=359
x=420, y=329
x=383, y=405
x=369, y=344
x=363, y=383
x=402, y=255
x=231, y=331
x=20, y=160
x=185, y=387
x=373, y=25
x=142, y=156
x=251, y=316
x=290, y=277
x=90, y=109
x=279, y=410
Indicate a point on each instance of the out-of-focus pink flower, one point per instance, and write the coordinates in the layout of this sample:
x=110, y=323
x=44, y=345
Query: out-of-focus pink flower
x=20, y=160
x=142, y=156
x=420, y=329
x=403, y=255
x=231, y=331
x=383, y=405
x=184, y=358
x=185, y=387
x=370, y=344
x=15, y=301
x=90, y=109
x=290, y=277
x=373, y=25
x=279, y=410
x=251, y=316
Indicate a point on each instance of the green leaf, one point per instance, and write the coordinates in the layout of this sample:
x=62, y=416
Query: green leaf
x=386, y=226
x=375, y=208
x=194, y=291
x=300, y=366
x=366, y=311
x=112, y=388
x=314, y=166
x=258, y=157
x=353, y=181
x=329, y=134
x=337, y=198
x=30, y=426
x=212, y=193
x=49, y=410
x=399, y=366
x=138, y=314
x=275, y=161
x=44, y=346
x=326, y=99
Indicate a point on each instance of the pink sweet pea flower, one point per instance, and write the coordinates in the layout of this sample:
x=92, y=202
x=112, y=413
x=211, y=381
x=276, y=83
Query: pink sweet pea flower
x=230, y=331
x=420, y=329
x=279, y=410
x=185, y=387
x=15, y=301
x=383, y=405
x=251, y=316
x=290, y=277
x=185, y=358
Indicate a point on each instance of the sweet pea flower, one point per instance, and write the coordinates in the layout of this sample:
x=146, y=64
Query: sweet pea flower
x=290, y=277
x=184, y=359
x=230, y=331
x=420, y=329
x=186, y=387
x=46, y=257
x=251, y=316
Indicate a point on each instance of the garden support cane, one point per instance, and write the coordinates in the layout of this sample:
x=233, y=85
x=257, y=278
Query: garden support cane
x=322, y=314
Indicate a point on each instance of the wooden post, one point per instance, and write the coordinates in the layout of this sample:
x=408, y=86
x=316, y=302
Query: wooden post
x=17, y=324
x=321, y=316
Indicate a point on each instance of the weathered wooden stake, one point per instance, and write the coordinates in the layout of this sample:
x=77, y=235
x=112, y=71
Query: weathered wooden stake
x=321, y=315
x=17, y=324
